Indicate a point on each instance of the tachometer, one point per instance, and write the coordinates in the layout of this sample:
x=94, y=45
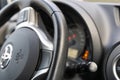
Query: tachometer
x=77, y=40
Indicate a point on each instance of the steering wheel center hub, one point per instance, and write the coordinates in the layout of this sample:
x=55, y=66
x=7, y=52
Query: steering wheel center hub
x=18, y=52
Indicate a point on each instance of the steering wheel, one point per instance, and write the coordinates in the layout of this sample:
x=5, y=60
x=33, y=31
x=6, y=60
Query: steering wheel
x=29, y=53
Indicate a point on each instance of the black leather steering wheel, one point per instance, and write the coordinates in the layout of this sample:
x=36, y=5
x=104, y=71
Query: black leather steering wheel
x=29, y=53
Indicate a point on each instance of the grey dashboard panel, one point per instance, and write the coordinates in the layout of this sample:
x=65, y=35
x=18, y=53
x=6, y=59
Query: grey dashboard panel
x=104, y=16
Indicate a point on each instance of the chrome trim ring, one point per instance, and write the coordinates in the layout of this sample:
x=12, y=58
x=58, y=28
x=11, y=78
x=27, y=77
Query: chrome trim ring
x=117, y=58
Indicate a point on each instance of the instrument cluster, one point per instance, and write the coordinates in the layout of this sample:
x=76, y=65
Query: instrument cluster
x=82, y=38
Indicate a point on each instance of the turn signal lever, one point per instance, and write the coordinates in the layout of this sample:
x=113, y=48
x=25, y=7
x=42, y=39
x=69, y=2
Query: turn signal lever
x=82, y=66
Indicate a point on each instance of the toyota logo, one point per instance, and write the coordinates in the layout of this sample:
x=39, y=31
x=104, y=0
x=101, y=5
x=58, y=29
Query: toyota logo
x=6, y=56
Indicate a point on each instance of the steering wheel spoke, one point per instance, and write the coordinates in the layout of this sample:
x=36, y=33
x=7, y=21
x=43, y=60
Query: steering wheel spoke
x=28, y=16
x=40, y=73
x=45, y=64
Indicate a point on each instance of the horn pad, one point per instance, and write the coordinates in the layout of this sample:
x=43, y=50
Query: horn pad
x=19, y=55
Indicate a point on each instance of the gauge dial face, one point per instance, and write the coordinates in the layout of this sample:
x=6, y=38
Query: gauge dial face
x=77, y=40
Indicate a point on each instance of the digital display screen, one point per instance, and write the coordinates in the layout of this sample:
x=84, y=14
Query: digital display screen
x=72, y=53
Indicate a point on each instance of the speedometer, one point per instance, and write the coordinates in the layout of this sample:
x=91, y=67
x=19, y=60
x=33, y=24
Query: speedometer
x=77, y=40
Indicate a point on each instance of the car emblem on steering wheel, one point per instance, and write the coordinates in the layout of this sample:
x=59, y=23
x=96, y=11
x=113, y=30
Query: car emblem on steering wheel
x=6, y=56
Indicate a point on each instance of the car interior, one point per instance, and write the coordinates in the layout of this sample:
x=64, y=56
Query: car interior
x=59, y=40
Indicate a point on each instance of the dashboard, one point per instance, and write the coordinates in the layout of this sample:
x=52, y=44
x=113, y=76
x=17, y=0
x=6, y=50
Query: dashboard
x=93, y=39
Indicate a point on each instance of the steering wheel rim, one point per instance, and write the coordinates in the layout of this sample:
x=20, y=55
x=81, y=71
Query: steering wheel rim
x=60, y=31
